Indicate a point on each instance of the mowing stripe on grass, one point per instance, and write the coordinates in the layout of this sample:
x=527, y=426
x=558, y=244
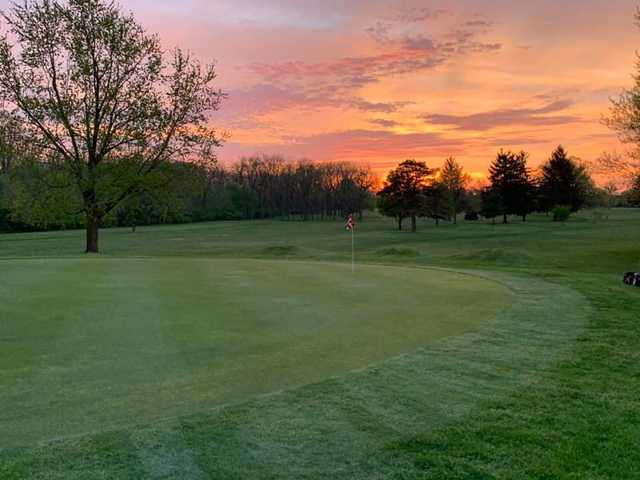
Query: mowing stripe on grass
x=348, y=426
x=101, y=343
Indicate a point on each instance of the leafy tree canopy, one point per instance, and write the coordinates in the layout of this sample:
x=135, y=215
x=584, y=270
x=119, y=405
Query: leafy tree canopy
x=403, y=194
x=97, y=93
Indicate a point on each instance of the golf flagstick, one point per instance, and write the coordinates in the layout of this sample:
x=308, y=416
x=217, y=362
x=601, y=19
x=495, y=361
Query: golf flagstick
x=351, y=225
x=353, y=249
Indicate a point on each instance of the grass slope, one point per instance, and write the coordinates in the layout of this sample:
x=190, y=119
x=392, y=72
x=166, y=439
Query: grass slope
x=549, y=389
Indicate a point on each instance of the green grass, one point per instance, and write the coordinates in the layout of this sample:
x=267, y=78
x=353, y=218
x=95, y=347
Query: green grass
x=542, y=381
x=144, y=339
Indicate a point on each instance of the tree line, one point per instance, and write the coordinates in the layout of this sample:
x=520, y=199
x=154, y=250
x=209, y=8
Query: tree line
x=253, y=188
x=562, y=185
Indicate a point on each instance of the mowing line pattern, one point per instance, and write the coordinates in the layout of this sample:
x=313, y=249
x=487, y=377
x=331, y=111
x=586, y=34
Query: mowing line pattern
x=348, y=426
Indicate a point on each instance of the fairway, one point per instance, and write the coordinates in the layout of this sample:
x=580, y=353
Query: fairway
x=93, y=344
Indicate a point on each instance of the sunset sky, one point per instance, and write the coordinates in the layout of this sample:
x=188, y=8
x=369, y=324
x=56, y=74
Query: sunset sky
x=379, y=81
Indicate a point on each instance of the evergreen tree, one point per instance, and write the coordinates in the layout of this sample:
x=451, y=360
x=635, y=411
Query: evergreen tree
x=563, y=182
x=511, y=182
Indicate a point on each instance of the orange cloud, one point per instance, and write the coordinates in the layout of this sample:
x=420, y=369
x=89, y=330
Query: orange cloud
x=368, y=81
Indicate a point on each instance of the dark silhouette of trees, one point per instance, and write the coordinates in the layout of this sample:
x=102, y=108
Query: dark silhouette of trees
x=99, y=92
x=256, y=187
x=563, y=182
x=634, y=192
x=511, y=183
x=454, y=181
x=304, y=190
x=404, y=192
x=438, y=202
x=269, y=187
x=492, y=205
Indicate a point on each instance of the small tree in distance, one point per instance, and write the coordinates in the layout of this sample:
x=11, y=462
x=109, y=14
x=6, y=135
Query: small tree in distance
x=98, y=93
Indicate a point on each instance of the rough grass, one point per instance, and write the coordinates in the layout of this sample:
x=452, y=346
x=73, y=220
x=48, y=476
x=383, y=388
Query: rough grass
x=548, y=389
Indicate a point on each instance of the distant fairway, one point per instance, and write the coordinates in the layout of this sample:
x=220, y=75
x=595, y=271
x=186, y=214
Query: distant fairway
x=91, y=343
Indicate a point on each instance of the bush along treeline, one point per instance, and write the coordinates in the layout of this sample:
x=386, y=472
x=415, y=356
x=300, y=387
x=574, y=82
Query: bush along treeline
x=559, y=188
x=35, y=195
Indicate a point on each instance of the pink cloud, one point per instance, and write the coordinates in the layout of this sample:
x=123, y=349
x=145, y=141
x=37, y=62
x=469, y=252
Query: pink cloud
x=505, y=117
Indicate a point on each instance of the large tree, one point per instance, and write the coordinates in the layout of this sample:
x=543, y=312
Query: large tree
x=563, y=182
x=404, y=191
x=624, y=119
x=454, y=181
x=101, y=97
x=511, y=183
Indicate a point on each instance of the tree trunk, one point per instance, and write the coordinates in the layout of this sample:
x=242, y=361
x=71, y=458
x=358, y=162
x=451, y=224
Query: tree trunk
x=93, y=226
x=455, y=218
x=504, y=219
x=413, y=224
x=524, y=218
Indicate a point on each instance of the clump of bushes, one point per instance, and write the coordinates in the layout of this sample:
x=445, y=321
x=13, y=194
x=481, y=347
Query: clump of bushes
x=561, y=213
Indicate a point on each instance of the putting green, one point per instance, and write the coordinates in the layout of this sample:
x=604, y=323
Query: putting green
x=91, y=344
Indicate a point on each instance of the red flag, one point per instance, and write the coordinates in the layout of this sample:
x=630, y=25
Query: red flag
x=351, y=223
